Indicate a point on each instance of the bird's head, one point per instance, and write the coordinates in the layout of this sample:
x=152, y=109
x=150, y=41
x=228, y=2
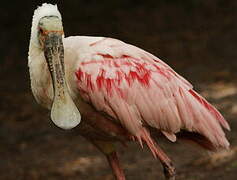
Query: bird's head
x=47, y=36
x=49, y=27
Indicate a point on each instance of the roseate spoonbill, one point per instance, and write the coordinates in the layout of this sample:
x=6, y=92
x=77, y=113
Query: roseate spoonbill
x=120, y=91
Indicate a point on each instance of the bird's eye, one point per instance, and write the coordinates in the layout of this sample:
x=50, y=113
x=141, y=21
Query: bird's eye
x=41, y=30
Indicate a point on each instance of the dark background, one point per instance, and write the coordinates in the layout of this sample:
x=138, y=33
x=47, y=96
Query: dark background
x=196, y=37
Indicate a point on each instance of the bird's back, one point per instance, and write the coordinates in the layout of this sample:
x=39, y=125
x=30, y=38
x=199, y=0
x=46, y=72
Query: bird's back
x=136, y=89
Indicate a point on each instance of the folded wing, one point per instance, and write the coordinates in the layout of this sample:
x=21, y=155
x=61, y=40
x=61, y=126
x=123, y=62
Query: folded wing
x=138, y=89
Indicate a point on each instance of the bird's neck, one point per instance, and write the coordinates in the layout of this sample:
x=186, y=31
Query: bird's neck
x=36, y=57
x=41, y=84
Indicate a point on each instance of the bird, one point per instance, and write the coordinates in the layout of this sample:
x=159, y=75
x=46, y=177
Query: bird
x=114, y=92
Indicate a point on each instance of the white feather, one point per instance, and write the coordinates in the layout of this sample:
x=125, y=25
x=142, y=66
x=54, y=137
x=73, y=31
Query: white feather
x=42, y=11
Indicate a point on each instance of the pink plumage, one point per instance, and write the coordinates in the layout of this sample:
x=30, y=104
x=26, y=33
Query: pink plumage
x=116, y=92
x=138, y=89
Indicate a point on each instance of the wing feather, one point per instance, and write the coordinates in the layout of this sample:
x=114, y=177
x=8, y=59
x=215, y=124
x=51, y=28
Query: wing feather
x=137, y=89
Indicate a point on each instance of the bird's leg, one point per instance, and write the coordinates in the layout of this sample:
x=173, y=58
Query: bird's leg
x=169, y=169
x=115, y=165
x=108, y=149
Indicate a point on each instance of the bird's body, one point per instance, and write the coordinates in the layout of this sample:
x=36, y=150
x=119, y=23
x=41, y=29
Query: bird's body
x=122, y=92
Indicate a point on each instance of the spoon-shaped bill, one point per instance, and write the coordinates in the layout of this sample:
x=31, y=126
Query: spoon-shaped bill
x=64, y=112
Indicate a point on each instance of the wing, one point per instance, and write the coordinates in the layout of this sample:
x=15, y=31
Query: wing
x=138, y=89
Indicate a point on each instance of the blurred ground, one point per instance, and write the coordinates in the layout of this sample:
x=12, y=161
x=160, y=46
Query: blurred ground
x=197, y=38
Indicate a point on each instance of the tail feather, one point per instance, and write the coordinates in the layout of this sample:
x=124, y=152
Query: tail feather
x=212, y=109
x=203, y=119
